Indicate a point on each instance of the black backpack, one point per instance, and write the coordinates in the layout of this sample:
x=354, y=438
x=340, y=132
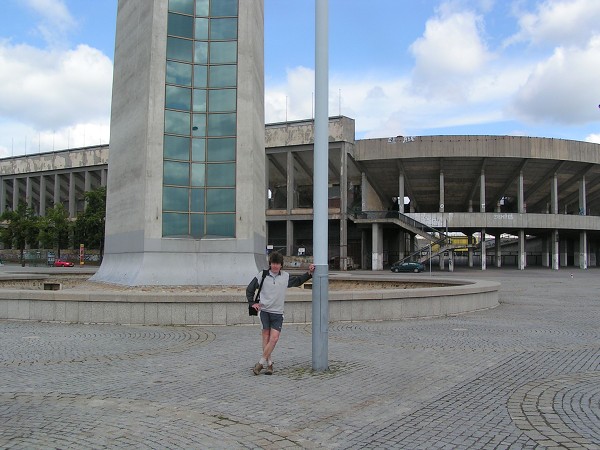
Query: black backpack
x=251, y=310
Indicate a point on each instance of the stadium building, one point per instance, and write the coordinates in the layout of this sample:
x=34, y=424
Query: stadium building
x=477, y=201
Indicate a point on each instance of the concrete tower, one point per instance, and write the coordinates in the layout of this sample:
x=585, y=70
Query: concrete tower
x=186, y=185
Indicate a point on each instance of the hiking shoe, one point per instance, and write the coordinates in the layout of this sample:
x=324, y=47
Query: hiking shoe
x=257, y=368
x=269, y=370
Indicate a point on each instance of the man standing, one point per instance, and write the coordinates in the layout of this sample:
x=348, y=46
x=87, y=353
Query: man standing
x=272, y=299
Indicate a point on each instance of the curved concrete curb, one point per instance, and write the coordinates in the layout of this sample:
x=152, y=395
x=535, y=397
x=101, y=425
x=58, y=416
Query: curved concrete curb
x=225, y=308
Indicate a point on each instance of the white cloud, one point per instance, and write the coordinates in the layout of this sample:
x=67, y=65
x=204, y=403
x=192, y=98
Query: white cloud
x=56, y=20
x=49, y=88
x=559, y=22
x=49, y=92
x=564, y=89
x=450, y=52
x=594, y=138
x=19, y=139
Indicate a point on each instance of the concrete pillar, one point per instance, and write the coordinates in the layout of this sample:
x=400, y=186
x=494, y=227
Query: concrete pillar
x=289, y=237
x=364, y=263
x=72, y=206
x=555, y=253
x=582, y=197
x=103, y=178
x=343, y=208
x=554, y=194
x=401, y=193
x=28, y=192
x=583, y=250
x=470, y=206
x=2, y=195
x=483, y=251
x=441, y=191
x=451, y=261
x=482, y=192
x=441, y=260
x=377, y=246
x=16, y=193
x=546, y=251
x=564, y=252
x=521, y=194
x=42, y=195
x=401, y=244
x=291, y=192
x=87, y=181
x=470, y=252
x=413, y=243
x=56, y=196
x=522, y=254
x=363, y=187
x=498, y=250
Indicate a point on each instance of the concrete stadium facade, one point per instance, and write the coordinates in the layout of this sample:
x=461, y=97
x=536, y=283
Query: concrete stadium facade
x=535, y=201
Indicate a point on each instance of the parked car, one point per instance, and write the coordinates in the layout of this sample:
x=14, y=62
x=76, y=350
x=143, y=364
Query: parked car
x=61, y=263
x=407, y=267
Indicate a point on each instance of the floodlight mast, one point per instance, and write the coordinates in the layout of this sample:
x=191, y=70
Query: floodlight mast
x=320, y=292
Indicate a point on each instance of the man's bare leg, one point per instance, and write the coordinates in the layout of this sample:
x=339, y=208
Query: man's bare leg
x=270, y=338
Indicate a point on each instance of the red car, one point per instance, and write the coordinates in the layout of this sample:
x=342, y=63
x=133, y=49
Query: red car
x=61, y=263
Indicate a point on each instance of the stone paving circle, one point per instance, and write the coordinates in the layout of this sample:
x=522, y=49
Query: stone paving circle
x=524, y=375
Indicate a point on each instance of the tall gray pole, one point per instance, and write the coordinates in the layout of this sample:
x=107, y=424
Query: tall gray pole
x=320, y=293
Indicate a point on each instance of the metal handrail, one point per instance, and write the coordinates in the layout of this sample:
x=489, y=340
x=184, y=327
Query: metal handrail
x=425, y=229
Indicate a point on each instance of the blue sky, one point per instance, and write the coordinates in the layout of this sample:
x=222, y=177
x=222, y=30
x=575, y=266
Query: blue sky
x=398, y=67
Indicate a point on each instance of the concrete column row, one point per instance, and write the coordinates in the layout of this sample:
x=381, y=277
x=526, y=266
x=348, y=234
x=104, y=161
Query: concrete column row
x=23, y=186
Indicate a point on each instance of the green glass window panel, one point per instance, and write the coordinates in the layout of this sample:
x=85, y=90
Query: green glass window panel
x=199, y=100
x=199, y=125
x=198, y=150
x=220, y=200
x=223, y=76
x=197, y=225
x=198, y=172
x=180, y=49
x=202, y=7
x=177, y=122
x=201, y=52
x=179, y=73
x=175, y=199
x=220, y=225
x=182, y=6
x=224, y=8
x=176, y=173
x=176, y=147
x=175, y=224
x=201, y=30
x=179, y=25
x=200, y=76
x=222, y=100
x=178, y=98
x=223, y=52
x=220, y=175
x=221, y=149
x=197, y=203
x=221, y=125
x=223, y=29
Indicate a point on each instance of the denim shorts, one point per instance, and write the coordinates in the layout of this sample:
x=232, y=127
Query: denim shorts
x=271, y=320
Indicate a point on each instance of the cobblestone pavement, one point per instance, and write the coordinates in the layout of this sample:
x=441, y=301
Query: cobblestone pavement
x=525, y=375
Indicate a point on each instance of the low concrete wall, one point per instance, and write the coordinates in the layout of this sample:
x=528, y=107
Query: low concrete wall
x=216, y=308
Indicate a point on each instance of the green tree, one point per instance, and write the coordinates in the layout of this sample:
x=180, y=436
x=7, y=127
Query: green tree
x=22, y=228
x=55, y=228
x=89, y=226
